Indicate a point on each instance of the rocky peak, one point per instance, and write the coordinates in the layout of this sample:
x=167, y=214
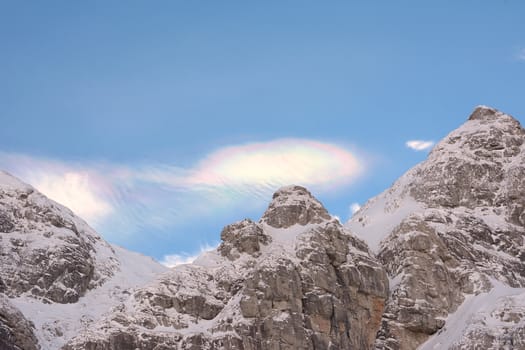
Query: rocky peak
x=294, y=205
x=484, y=112
x=452, y=226
x=486, y=131
x=45, y=250
x=242, y=237
x=482, y=163
x=296, y=280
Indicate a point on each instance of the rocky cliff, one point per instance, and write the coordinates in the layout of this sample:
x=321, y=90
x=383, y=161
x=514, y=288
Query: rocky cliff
x=52, y=267
x=450, y=234
x=297, y=279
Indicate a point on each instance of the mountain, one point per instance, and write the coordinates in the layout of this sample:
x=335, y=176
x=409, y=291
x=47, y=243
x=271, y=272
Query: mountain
x=437, y=261
x=297, y=279
x=450, y=234
x=57, y=274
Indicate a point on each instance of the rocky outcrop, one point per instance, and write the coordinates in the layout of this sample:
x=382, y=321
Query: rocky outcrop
x=242, y=237
x=49, y=259
x=45, y=251
x=294, y=205
x=462, y=233
x=16, y=332
x=310, y=286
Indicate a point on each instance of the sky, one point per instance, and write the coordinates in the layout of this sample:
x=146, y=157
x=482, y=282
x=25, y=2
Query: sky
x=161, y=122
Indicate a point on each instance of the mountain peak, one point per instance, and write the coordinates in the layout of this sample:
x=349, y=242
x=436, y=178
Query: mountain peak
x=486, y=114
x=294, y=205
x=483, y=112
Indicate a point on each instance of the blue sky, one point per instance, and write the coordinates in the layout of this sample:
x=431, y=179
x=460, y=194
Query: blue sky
x=162, y=122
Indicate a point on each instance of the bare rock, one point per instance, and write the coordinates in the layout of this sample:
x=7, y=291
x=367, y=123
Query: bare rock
x=294, y=205
x=451, y=227
x=16, y=332
x=242, y=237
x=45, y=250
x=266, y=287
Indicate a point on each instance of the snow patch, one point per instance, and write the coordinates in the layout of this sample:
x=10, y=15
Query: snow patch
x=56, y=323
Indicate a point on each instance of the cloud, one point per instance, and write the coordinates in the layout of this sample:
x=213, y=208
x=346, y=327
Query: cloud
x=419, y=145
x=81, y=190
x=76, y=191
x=354, y=207
x=173, y=260
x=266, y=165
x=520, y=56
x=122, y=198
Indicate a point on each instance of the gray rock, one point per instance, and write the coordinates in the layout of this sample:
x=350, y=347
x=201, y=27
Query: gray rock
x=320, y=289
x=294, y=205
x=45, y=250
x=16, y=332
x=466, y=230
x=242, y=237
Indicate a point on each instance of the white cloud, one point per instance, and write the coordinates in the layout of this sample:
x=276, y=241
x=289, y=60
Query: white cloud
x=76, y=191
x=117, y=199
x=267, y=164
x=81, y=190
x=419, y=145
x=354, y=207
x=520, y=56
x=177, y=259
x=173, y=260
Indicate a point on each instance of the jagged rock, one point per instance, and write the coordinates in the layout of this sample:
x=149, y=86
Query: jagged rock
x=310, y=286
x=46, y=251
x=16, y=332
x=242, y=237
x=294, y=205
x=50, y=256
x=450, y=227
x=6, y=223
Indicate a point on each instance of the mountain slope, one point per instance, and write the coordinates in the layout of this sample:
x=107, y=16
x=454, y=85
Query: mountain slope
x=444, y=267
x=450, y=231
x=57, y=270
x=295, y=280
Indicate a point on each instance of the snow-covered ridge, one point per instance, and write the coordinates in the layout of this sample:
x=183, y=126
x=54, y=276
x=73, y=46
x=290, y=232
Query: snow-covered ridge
x=258, y=277
x=56, y=323
x=57, y=270
x=451, y=233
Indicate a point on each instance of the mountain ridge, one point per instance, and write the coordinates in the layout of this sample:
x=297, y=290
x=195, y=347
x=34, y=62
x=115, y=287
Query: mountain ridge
x=450, y=227
x=435, y=261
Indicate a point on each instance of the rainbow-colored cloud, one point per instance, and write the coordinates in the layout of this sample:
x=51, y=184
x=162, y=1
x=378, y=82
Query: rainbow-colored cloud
x=159, y=195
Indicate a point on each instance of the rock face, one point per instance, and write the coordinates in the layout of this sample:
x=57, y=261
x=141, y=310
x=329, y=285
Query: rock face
x=49, y=259
x=452, y=226
x=45, y=250
x=294, y=205
x=295, y=280
x=16, y=332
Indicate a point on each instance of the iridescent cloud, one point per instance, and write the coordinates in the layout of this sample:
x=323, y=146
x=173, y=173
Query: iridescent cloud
x=158, y=195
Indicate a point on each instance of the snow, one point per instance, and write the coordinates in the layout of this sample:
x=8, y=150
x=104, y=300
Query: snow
x=10, y=182
x=475, y=309
x=376, y=220
x=285, y=239
x=56, y=323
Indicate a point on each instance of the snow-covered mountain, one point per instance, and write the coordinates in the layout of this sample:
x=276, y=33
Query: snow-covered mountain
x=297, y=279
x=56, y=270
x=435, y=262
x=450, y=234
